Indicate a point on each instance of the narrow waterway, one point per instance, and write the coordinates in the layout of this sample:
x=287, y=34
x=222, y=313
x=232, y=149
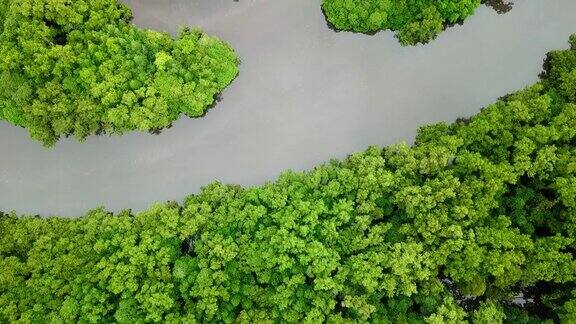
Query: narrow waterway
x=305, y=94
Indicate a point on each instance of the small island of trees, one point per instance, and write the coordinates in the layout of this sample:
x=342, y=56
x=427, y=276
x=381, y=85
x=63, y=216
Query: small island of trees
x=414, y=21
x=76, y=68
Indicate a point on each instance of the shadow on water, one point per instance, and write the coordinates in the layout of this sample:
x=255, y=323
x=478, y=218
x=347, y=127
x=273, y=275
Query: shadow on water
x=500, y=6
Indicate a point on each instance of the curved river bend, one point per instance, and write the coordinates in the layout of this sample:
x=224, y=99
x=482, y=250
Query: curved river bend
x=304, y=95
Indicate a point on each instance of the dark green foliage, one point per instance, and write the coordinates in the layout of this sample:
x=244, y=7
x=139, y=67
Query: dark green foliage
x=3, y=10
x=455, y=228
x=416, y=21
x=80, y=68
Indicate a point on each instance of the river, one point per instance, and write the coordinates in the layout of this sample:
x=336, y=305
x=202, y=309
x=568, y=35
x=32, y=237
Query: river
x=305, y=94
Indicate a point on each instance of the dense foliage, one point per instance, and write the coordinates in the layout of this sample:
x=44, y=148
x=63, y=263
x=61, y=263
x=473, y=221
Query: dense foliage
x=416, y=21
x=475, y=222
x=79, y=68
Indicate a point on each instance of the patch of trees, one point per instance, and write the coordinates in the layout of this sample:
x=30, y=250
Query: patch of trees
x=76, y=68
x=415, y=21
x=474, y=223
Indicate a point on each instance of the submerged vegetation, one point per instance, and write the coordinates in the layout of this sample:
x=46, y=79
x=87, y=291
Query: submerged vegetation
x=80, y=68
x=415, y=21
x=475, y=222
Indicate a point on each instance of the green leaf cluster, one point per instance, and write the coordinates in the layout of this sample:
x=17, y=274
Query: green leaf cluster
x=474, y=223
x=415, y=21
x=76, y=68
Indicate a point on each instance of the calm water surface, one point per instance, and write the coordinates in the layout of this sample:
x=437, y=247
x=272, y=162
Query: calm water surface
x=305, y=95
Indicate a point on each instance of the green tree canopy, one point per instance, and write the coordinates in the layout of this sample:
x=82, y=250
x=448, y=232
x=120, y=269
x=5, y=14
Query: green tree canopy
x=80, y=68
x=476, y=222
x=415, y=21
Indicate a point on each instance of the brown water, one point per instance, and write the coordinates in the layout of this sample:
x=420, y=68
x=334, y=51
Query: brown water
x=304, y=95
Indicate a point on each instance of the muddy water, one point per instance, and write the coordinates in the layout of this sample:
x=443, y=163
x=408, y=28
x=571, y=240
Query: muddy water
x=305, y=94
